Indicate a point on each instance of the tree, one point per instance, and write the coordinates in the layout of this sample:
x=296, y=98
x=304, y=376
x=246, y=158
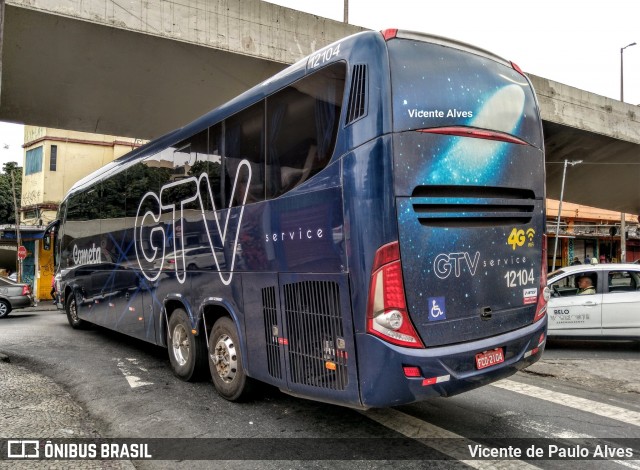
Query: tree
x=7, y=209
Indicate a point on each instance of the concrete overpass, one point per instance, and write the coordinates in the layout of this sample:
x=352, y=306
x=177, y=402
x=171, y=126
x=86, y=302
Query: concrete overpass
x=141, y=68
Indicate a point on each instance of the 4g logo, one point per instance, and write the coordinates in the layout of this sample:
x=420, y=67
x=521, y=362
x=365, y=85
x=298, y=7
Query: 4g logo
x=518, y=237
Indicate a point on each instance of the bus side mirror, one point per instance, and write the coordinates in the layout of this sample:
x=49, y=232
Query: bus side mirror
x=48, y=234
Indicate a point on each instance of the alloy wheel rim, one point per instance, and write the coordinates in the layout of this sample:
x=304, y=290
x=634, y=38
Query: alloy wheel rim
x=225, y=358
x=180, y=344
x=73, y=311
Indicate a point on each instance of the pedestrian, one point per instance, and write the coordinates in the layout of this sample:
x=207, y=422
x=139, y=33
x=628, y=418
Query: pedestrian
x=54, y=291
x=587, y=260
x=576, y=261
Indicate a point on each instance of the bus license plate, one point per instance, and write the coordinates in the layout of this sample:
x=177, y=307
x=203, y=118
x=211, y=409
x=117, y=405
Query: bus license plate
x=489, y=358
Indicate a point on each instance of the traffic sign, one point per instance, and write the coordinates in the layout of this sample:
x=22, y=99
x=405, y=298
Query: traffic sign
x=22, y=252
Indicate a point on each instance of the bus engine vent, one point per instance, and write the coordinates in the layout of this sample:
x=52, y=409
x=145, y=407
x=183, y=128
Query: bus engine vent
x=472, y=206
x=358, y=95
x=271, y=329
x=317, y=351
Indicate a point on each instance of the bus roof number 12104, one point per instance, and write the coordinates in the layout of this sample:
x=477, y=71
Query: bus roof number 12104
x=365, y=228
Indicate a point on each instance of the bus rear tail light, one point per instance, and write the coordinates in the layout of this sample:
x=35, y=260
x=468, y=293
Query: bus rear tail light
x=544, y=292
x=412, y=371
x=387, y=315
x=517, y=69
x=389, y=34
x=463, y=131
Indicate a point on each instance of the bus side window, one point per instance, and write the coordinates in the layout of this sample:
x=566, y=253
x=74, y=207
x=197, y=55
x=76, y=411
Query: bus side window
x=212, y=165
x=244, y=140
x=302, y=124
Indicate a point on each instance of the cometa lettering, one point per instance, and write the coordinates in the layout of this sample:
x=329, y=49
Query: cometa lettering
x=86, y=256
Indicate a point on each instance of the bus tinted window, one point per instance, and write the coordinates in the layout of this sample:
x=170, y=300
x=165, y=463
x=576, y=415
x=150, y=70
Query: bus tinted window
x=302, y=124
x=437, y=86
x=112, y=191
x=82, y=224
x=211, y=163
x=244, y=140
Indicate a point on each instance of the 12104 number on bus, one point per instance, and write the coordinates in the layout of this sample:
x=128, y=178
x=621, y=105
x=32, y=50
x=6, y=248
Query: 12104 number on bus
x=519, y=278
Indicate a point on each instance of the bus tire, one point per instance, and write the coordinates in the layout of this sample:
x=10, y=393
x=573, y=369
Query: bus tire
x=226, y=362
x=187, y=352
x=72, y=314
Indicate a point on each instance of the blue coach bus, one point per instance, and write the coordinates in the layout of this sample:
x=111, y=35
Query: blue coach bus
x=365, y=228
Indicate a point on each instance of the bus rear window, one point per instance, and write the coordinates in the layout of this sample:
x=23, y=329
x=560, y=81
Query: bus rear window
x=440, y=86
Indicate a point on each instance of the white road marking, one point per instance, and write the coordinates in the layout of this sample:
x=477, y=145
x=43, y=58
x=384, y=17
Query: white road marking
x=635, y=464
x=522, y=421
x=582, y=404
x=417, y=429
x=133, y=380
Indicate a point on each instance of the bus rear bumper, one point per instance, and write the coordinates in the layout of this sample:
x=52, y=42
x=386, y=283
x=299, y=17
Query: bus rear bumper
x=443, y=371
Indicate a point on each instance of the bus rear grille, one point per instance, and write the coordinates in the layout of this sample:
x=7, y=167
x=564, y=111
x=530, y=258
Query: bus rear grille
x=270, y=314
x=358, y=94
x=471, y=206
x=317, y=353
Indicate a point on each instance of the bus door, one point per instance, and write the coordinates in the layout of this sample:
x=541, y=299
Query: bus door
x=124, y=295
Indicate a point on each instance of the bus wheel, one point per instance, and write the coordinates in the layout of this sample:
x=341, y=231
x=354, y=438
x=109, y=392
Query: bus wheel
x=225, y=362
x=72, y=314
x=187, y=352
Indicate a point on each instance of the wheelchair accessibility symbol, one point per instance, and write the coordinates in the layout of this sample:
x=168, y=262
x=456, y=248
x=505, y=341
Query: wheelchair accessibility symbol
x=437, y=309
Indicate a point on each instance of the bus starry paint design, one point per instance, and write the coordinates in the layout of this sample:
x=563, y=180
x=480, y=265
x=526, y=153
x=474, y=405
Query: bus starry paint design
x=365, y=228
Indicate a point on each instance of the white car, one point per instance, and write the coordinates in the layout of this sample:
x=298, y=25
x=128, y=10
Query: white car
x=609, y=310
x=194, y=259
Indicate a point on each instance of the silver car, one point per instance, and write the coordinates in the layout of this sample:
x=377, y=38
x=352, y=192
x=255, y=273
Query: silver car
x=595, y=301
x=13, y=295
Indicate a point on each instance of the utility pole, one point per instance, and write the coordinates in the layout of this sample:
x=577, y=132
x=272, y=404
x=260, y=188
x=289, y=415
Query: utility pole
x=346, y=11
x=15, y=208
x=555, y=247
x=623, y=240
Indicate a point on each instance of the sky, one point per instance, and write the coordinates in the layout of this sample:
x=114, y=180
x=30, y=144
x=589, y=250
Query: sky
x=11, y=140
x=575, y=43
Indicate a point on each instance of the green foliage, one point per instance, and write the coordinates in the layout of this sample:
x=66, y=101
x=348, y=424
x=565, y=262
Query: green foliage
x=7, y=210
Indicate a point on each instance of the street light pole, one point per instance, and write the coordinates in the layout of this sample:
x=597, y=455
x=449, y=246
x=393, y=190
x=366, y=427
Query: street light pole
x=622, y=69
x=623, y=244
x=564, y=174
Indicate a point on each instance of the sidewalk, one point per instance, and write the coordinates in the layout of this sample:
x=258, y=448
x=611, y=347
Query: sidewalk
x=33, y=406
x=43, y=305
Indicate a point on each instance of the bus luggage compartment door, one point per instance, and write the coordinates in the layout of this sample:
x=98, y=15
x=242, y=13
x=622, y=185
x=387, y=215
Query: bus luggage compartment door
x=300, y=334
x=318, y=336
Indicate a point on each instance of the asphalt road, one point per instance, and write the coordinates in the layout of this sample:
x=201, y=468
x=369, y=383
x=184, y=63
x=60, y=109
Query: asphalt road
x=579, y=393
